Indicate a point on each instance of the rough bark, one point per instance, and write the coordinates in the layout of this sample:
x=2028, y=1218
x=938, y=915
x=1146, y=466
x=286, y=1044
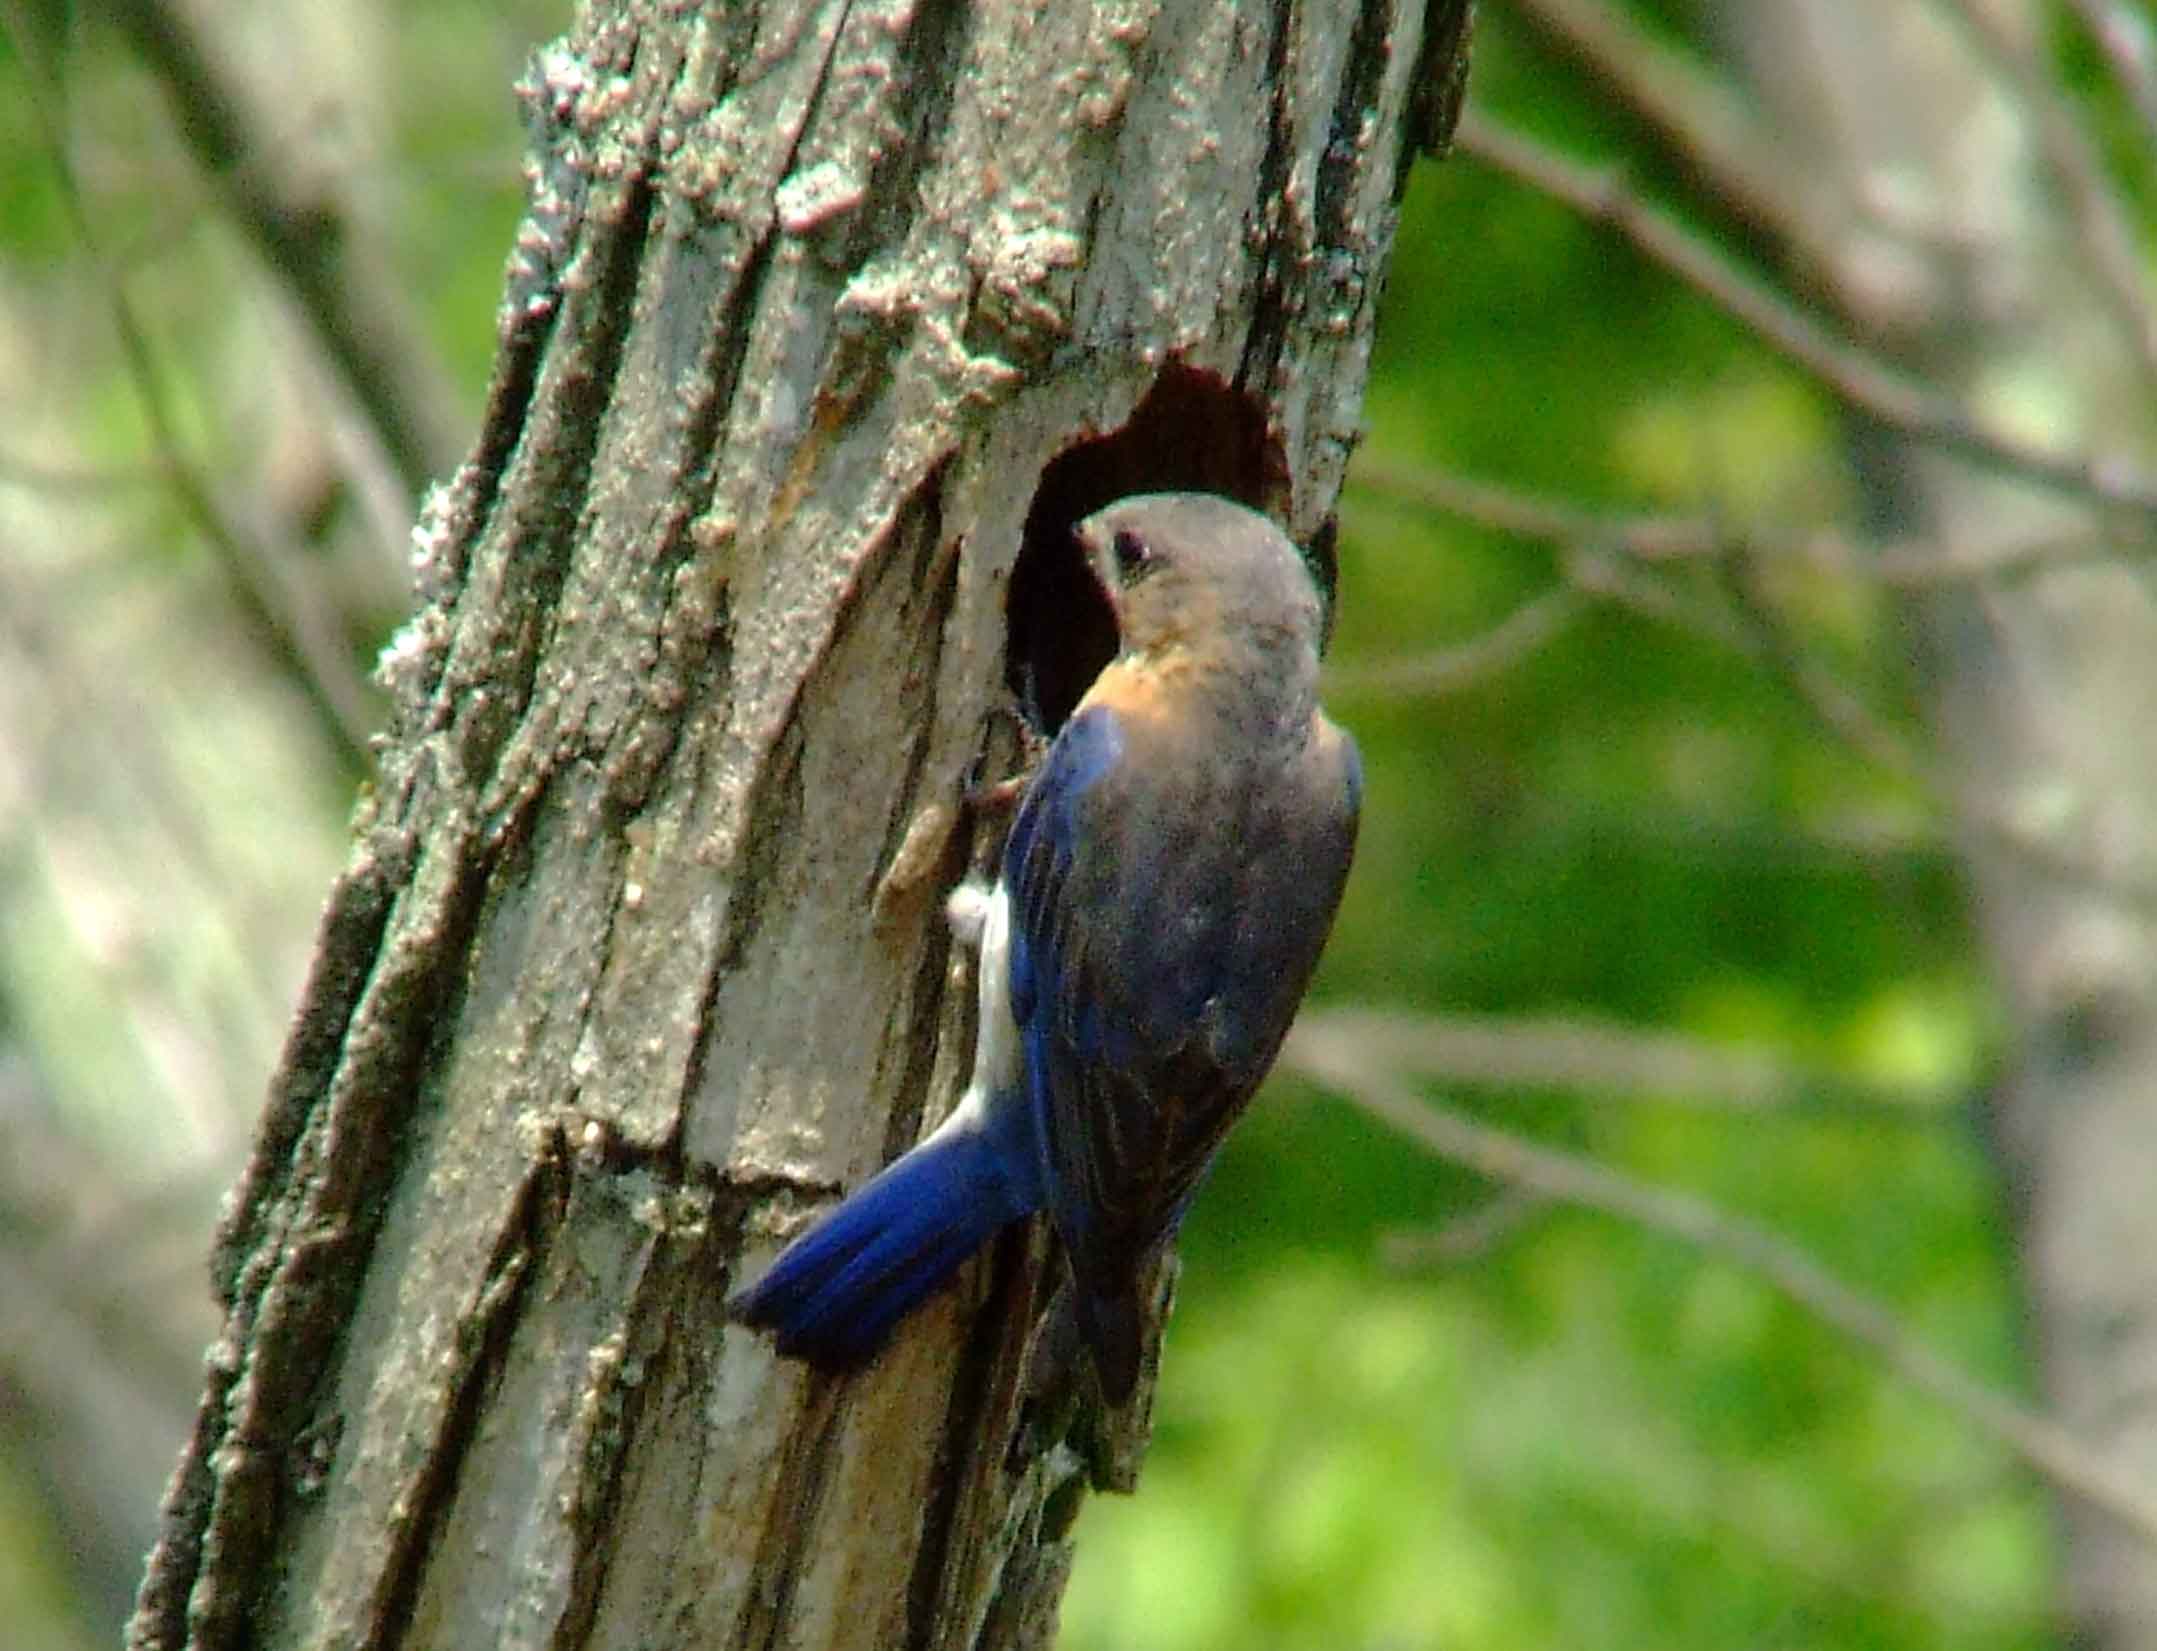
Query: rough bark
x=827, y=318
x=2041, y=689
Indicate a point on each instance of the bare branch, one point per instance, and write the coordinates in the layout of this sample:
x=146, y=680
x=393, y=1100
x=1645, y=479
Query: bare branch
x=1707, y=136
x=1860, y=378
x=1659, y=537
x=1589, y=1057
x=1704, y=131
x=1466, y=664
x=307, y=240
x=292, y=626
x=1823, y=692
x=1608, y=558
x=1639, y=589
x=70, y=481
x=1340, y=1063
x=1533, y=516
x=1468, y=1237
x=2039, y=845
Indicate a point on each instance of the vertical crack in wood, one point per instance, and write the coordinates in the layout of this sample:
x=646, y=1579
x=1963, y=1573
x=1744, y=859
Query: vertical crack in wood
x=937, y=42
x=797, y=1496
x=550, y=500
x=484, y=1336
x=613, y=1406
x=1270, y=320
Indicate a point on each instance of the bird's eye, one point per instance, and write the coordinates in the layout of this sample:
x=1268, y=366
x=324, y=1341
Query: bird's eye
x=1133, y=555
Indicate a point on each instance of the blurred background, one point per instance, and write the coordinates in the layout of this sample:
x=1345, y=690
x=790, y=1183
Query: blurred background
x=1708, y=1200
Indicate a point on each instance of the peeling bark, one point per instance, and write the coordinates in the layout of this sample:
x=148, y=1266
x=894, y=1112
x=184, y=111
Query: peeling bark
x=825, y=321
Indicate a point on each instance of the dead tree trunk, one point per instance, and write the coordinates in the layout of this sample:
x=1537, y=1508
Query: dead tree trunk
x=826, y=320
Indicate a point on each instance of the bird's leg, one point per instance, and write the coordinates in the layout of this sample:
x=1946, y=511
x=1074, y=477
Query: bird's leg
x=999, y=795
x=996, y=795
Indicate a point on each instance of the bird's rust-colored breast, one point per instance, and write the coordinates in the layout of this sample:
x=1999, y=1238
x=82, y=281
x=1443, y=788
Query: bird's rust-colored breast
x=1141, y=692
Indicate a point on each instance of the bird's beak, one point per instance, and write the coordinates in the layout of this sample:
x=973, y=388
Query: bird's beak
x=1093, y=546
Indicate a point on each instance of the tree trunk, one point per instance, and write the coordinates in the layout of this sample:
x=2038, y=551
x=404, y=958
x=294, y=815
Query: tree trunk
x=826, y=320
x=2041, y=690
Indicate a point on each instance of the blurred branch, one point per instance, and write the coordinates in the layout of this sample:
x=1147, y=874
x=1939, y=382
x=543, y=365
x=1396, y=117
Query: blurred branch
x=2129, y=47
x=1341, y=1062
x=1464, y=665
x=2104, y=237
x=1857, y=376
x=73, y=480
x=1674, y=538
x=1638, y=589
x=1517, y=1052
x=1606, y=557
x=307, y=240
x=1821, y=691
x=278, y=606
x=1465, y=1238
x=1691, y=117
x=1706, y=133
x=2037, y=844
x=1533, y=516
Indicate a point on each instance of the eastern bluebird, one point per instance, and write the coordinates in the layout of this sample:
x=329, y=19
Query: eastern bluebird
x=1165, y=891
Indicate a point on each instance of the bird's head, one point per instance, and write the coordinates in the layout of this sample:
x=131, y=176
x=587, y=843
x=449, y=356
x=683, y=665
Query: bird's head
x=1195, y=571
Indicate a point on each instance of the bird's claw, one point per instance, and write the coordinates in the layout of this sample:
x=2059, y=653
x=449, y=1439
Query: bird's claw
x=996, y=796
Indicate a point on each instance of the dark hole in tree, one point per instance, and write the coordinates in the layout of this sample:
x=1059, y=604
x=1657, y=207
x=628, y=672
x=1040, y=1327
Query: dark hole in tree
x=1193, y=433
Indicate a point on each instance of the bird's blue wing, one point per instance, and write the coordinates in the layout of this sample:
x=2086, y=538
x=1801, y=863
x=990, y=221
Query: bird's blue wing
x=1167, y=911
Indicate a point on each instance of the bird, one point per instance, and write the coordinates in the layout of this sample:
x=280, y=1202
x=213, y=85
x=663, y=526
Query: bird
x=1168, y=882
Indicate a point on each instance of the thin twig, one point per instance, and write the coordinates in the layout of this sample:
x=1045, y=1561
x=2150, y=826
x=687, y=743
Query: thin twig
x=1706, y=133
x=1657, y=537
x=1639, y=589
x=307, y=240
x=1854, y=374
x=2104, y=236
x=1914, y=565
x=1822, y=692
x=1465, y=1238
x=61, y=481
x=1533, y=516
x=1609, y=558
x=1848, y=719
x=1466, y=664
x=1522, y=1052
x=1498, y=1156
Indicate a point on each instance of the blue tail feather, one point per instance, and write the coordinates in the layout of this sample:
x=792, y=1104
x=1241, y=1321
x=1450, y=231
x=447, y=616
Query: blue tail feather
x=835, y=1293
